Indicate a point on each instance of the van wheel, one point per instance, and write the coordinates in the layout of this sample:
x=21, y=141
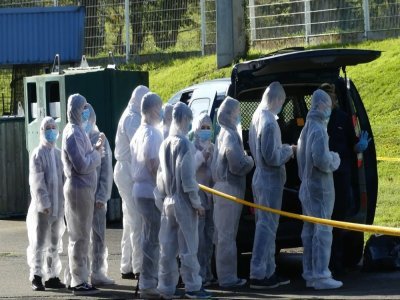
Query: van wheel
x=353, y=248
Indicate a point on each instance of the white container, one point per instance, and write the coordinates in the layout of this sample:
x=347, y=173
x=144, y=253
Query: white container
x=55, y=109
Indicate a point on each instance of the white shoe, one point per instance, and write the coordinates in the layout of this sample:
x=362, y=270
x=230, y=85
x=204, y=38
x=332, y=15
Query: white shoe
x=101, y=279
x=327, y=284
x=149, y=293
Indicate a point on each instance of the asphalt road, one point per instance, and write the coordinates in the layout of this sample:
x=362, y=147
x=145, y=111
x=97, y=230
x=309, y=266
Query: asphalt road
x=15, y=284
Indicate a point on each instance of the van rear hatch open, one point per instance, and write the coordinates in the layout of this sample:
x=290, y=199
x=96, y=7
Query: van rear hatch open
x=311, y=65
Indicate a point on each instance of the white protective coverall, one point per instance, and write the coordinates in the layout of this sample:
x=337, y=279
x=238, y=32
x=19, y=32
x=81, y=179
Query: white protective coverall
x=229, y=169
x=131, y=256
x=145, y=146
x=167, y=119
x=269, y=177
x=317, y=194
x=177, y=190
x=45, y=230
x=80, y=161
x=203, y=161
x=99, y=253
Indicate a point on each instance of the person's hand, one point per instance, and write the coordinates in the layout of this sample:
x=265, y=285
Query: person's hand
x=99, y=204
x=200, y=211
x=100, y=141
x=362, y=144
x=294, y=149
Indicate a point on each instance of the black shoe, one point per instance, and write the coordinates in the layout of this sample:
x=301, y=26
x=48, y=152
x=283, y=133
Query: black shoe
x=268, y=283
x=129, y=275
x=54, y=283
x=37, y=284
x=84, y=289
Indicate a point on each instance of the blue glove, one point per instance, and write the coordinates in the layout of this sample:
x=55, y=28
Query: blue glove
x=362, y=144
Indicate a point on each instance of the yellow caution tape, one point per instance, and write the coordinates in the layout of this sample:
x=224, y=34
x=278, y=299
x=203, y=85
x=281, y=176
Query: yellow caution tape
x=388, y=158
x=338, y=224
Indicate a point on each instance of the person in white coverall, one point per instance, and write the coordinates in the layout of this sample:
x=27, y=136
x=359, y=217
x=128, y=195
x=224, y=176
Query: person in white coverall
x=229, y=169
x=167, y=119
x=145, y=146
x=202, y=128
x=99, y=251
x=317, y=193
x=45, y=218
x=80, y=160
x=177, y=196
x=269, y=178
x=131, y=256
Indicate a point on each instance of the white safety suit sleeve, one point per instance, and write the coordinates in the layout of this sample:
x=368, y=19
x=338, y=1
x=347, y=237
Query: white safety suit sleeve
x=159, y=191
x=188, y=178
x=325, y=160
x=273, y=152
x=83, y=164
x=104, y=186
x=238, y=162
x=37, y=184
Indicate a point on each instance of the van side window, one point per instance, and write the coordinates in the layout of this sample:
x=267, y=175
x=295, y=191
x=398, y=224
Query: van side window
x=199, y=105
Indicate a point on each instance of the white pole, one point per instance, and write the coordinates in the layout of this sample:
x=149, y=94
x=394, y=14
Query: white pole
x=367, y=27
x=252, y=13
x=127, y=31
x=55, y=2
x=203, y=26
x=307, y=20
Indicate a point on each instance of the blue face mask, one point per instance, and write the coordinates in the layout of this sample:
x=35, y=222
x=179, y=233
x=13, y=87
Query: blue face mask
x=85, y=114
x=51, y=135
x=204, y=134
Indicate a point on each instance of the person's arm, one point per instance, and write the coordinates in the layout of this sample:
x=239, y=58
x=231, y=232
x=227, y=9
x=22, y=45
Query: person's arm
x=37, y=184
x=188, y=179
x=239, y=163
x=325, y=160
x=272, y=152
x=104, y=185
x=83, y=163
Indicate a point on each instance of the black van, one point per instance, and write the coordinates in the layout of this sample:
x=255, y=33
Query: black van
x=300, y=72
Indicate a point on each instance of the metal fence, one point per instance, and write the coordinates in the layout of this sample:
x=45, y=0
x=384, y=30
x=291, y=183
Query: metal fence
x=133, y=29
x=303, y=22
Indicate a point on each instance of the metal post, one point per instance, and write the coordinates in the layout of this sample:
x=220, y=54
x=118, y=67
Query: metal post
x=367, y=27
x=203, y=26
x=252, y=14
x=127, y=31
x=307, y=20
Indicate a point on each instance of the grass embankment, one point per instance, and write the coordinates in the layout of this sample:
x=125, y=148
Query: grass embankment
x=378, y=83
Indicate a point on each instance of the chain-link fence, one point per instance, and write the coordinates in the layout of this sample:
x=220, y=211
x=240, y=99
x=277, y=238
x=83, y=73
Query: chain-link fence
x=136, y=28
x=292, y=23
